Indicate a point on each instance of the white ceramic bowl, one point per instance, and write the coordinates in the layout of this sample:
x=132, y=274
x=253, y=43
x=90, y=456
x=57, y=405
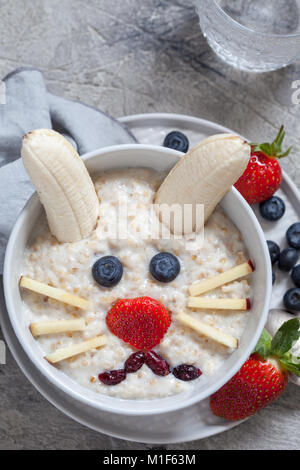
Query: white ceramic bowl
x=161, y=159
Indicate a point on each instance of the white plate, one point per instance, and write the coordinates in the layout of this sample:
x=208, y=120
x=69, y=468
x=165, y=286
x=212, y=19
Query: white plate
x=195, y=422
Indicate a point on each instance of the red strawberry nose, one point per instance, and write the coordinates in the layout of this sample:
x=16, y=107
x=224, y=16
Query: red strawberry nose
x=141, y=322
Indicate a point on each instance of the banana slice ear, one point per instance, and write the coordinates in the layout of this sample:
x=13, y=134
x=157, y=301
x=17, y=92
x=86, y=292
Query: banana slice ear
x=198, y=182
x=63, y=184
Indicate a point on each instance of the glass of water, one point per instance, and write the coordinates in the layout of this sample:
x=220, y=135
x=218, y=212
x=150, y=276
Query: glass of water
x=252, y=35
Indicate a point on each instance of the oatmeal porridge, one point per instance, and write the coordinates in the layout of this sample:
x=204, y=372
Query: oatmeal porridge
x=69, y=267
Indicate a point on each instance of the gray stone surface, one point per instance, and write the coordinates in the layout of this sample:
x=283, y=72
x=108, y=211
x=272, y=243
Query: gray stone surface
x=127, y=57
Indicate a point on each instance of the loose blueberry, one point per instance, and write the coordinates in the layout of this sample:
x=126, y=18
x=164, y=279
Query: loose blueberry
x=272, y=209
x=291, y=299
x=287, y=259
x=274, y=251
x=107, y=271
x=177, y=140
x=112, y=377
x=296, y=275
x=134, y=362
x=273, y=277
x=164, y=267
x=157, y=364
x=186, y=372
x=293, y=235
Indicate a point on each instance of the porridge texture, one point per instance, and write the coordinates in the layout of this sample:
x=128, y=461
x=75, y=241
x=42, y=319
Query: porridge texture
x=68, y=266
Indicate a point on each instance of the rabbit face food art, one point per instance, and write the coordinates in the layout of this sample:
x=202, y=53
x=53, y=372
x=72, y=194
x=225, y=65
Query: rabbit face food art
x=135, y=316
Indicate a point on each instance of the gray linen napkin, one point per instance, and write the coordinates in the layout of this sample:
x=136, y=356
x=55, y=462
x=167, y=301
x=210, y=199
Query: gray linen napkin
x=29, y=106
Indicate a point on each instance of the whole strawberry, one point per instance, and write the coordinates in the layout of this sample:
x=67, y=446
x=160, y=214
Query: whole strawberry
x=262, y=378
x=142, y=322
x=263, y=175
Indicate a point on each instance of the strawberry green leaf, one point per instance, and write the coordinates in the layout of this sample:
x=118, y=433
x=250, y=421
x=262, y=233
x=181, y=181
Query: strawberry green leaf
x=266, y=148
x=291, y=363
x=263, y=346
x=274, y=149
x=285, y=337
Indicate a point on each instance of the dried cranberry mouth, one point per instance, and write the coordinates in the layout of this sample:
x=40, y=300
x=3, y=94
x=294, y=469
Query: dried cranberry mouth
x=155, y=362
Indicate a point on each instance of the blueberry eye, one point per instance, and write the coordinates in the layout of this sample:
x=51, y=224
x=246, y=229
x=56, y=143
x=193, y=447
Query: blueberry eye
x=107, y=271
x=164, y=267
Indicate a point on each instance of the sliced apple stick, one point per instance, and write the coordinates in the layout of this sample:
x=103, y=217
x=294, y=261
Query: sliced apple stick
x=224, y=278
x=74, y=349
x=55, y=293
x=222, y=304
x=59, y=326
x=207, y=330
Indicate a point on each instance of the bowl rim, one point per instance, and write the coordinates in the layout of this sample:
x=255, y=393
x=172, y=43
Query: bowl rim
x=52, y=376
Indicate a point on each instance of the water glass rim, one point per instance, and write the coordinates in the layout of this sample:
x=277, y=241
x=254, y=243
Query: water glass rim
x=250, y=30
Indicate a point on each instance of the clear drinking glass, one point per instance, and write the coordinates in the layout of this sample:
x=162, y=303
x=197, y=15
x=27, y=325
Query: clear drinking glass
x=252, y=35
